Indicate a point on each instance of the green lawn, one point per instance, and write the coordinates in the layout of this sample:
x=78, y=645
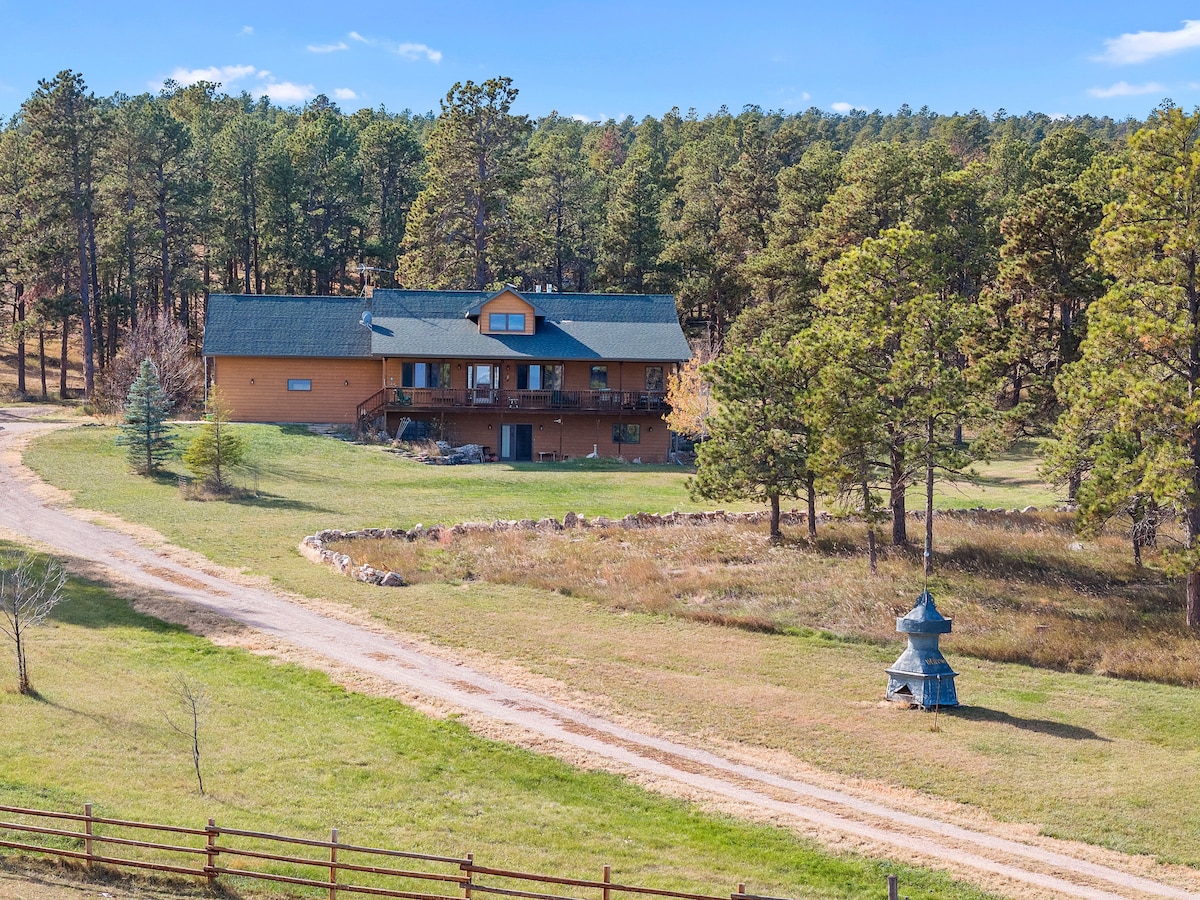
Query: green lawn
x=286, y=751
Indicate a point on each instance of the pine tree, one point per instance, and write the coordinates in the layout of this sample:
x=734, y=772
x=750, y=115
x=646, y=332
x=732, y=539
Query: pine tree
x=217, y=448
x=144, y=431
x=759, y=441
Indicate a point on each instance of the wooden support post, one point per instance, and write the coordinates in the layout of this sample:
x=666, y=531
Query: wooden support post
x=741, y=887
x=210, y=858
x=893, y=887
x=607, y=879
x=87, y=830
x=333, y=865
x=470, y=875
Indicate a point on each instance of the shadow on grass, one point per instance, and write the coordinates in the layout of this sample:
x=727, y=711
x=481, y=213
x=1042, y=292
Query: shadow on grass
x=1040, y=726
x=274, y=501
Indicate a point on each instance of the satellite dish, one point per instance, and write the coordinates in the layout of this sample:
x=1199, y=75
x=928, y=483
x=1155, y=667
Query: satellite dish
x=366, y=320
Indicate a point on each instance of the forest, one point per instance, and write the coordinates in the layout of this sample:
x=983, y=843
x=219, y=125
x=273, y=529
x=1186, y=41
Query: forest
x=862, y=287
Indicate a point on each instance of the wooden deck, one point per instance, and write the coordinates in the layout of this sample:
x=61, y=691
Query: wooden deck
x=650, y=403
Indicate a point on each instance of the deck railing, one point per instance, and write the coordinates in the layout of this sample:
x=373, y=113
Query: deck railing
x=643, y=402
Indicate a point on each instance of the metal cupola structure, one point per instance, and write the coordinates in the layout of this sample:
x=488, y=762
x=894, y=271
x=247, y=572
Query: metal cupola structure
x=921, y=675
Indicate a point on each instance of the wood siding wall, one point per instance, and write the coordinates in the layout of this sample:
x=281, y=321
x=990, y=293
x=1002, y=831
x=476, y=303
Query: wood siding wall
x=573, y=438
x=506, y=303
x=255, y=387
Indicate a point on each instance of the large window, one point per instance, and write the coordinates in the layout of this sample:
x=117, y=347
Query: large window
x=539, y=378
x=506, y=321
x=624, y=433
x=599, y=381
x=424, y=375
x=654, y=378
x=299, y=384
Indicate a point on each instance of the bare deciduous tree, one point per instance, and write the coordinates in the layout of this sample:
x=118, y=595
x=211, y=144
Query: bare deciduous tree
x=192, y=701
x=29, y=589
x=165, y=343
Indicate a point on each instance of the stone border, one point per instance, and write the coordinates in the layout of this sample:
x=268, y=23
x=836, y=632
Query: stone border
x=314, y=548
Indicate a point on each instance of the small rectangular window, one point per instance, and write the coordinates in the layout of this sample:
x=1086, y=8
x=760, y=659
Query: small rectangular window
x=624, y=433
x=599, y=380
x=299, y=384
x=654, y=378
x=506, y=321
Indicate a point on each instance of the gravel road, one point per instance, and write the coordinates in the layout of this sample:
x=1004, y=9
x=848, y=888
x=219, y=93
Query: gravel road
x=1028, y=867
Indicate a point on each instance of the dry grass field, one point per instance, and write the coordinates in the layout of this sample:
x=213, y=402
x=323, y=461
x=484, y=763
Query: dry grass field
x=1022, y=588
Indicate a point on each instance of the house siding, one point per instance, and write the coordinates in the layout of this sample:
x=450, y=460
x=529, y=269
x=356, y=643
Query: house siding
x=506, y=303
x=255, y=387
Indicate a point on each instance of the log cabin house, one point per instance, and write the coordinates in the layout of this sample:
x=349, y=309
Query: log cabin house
x=527, y=375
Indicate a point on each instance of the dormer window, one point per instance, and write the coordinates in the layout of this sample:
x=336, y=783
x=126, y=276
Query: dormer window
x=506, y=322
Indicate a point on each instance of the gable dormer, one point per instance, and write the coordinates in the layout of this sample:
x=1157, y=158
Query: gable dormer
x=505, y=312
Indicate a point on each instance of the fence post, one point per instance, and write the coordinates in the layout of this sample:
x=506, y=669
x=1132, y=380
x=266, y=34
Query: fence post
x=467, y=868
x=210, y=849
x=741, y=887
x=893, y=887
x=87, y=830
x=333, y=865
x=607, y=880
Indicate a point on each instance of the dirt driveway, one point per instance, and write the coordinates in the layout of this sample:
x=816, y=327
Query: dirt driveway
x=181, y=587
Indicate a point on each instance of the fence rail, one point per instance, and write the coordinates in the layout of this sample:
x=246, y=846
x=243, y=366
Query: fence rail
x=341, y=868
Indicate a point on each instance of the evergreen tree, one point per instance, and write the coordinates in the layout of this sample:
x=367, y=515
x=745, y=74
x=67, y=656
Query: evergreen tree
x=458, y=233
x=758, y=444
x=217, y=448
x=144, y=431
x=1141, y=358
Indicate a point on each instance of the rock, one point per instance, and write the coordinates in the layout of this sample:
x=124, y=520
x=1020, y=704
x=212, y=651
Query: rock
x=571, y=520
x=1075, y=546
x=391, y=579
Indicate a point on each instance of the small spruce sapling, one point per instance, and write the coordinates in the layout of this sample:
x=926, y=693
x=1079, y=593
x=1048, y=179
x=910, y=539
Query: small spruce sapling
x=144, y=430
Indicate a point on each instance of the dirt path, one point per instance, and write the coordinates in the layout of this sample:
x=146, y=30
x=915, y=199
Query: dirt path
x=1027, y=867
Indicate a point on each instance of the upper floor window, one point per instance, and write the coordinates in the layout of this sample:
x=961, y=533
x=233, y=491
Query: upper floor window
x=654, y=378
x=424, y=375
x=539, y=378
x=299, y=384
x=506, y=321
x=599, y=380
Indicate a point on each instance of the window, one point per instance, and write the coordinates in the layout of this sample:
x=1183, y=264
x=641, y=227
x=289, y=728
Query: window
x=654, y=378
x=539, y=378
x=299, y=384
x=599, y=380
x=424, y=375
x=624, y=433
x=506, y=321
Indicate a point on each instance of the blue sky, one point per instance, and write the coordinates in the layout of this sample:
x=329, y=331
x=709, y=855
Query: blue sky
x=628, y=57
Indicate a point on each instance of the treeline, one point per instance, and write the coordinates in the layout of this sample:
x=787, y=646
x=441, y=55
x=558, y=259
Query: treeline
x=119, y=208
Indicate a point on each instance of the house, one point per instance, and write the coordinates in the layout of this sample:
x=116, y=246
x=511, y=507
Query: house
x=528, y=375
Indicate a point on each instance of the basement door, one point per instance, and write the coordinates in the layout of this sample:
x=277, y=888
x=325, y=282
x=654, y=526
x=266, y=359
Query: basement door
x=516, y=443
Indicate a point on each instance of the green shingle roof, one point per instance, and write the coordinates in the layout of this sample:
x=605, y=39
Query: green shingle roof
x=435, y=324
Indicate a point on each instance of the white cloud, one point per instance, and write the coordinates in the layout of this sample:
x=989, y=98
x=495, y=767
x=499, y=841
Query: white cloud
x=227, y=76
x=407, y=50
x=328, y=48
x=247, y=30
x=287, y=92
x=1143, y=45
x=842, y=107
x=1125, y=89
x=579, y=117
x=416, y=51
x=344, y=94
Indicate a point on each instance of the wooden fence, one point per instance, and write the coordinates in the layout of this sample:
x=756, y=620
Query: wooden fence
x=215, y=851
